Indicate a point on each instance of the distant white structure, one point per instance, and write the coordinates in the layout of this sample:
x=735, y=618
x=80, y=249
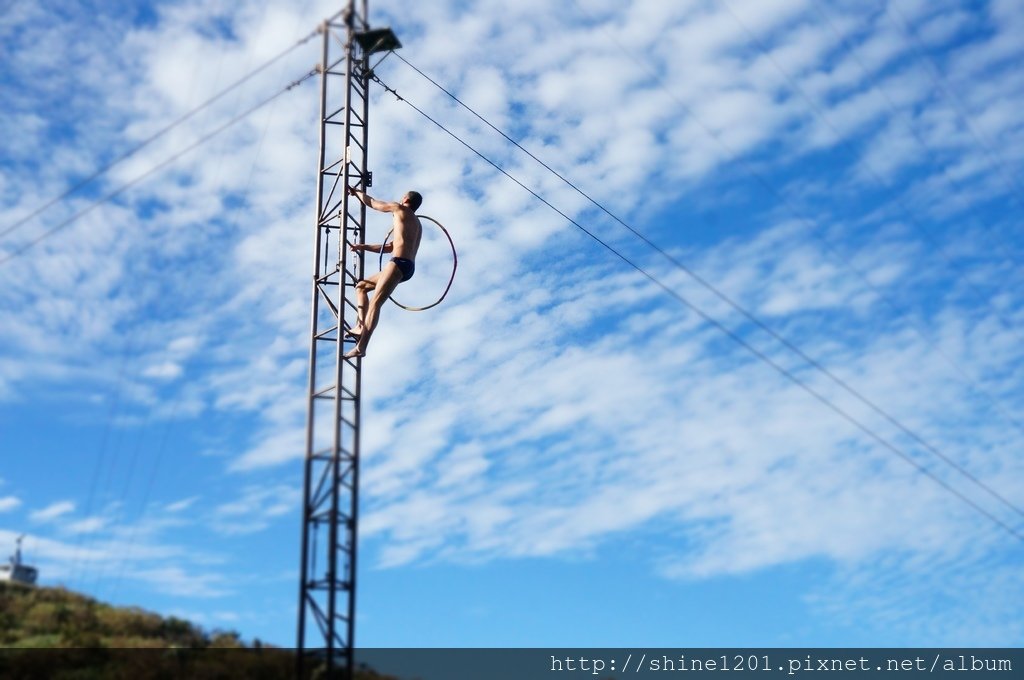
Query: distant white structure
x=16, y=571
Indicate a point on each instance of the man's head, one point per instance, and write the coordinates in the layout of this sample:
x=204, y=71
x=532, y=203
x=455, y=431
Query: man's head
x=413, y=200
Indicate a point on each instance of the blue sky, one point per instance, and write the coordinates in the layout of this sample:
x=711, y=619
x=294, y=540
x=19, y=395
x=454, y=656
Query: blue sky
x=562, y=453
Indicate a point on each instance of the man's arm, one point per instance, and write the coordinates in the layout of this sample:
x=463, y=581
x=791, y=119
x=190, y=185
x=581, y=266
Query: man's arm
x=370, y=202
x=373, y=248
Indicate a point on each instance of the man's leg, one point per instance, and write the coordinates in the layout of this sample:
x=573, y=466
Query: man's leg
x=362, y=301
x=388, y=278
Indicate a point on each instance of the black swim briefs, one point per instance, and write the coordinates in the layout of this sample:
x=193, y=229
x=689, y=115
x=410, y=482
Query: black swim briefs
x=406, y=266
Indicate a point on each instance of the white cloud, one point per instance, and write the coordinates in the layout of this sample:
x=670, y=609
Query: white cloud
x=89, y=525
x=255, y=509
x=52, y=511
x=165, y=371
x=180, y=582
x=183, y=504
x=905, y=598
x=274, y=448
x=8, y=503
x=184, y=345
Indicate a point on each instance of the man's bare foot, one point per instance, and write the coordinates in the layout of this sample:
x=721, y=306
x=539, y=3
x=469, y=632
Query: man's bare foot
x=354, y=332
x=354, y=353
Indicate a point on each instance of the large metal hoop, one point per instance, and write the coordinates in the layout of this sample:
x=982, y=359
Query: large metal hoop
x=455, y=265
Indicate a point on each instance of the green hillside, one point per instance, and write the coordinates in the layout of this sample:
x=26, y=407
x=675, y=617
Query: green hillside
x=56, y=633
x=56, y=617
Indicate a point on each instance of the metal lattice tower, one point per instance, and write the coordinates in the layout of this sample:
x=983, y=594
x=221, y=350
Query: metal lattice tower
x=330, y=504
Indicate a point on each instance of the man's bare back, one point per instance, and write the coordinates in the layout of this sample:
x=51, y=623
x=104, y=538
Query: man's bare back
x=408, y=232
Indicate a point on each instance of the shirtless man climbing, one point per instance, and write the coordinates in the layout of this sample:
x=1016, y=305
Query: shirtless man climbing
x=403, y=247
